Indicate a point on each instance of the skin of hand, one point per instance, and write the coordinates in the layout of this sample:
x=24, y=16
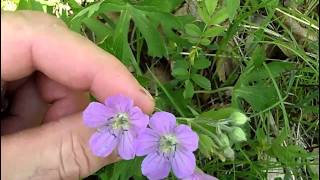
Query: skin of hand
x=49, y=71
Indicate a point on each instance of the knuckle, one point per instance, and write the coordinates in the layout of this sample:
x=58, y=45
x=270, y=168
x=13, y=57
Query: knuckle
x=74, y=162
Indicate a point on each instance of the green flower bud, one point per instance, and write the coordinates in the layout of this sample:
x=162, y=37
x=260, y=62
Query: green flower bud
x=224, y=140
x=238, y=118
x=228, y=153
x=237, y=135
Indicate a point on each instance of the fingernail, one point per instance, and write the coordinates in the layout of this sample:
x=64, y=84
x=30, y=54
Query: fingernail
x=144, y=91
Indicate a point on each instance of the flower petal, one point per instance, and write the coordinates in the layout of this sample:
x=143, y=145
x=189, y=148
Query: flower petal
x=199, y=175
x=183, y=163
x=163, y=122
x=188, y=140
x=102, y=143
x=96, y=115
x=155, y=166
x=147, y=142
x=138, y=119
x=119, y=103
x=126, y=147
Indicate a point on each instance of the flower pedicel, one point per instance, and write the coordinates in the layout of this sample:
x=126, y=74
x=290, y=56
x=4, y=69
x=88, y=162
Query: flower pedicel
x=118, y=122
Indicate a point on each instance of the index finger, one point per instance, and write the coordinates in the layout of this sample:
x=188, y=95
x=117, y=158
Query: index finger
x=33, y=41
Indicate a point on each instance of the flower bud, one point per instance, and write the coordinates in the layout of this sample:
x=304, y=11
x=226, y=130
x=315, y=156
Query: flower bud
x=237, y=135
x=238, y=118
x=224, y=140
x=228, y=153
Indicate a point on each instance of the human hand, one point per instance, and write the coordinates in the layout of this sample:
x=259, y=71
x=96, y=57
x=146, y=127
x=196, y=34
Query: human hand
x=48, y=71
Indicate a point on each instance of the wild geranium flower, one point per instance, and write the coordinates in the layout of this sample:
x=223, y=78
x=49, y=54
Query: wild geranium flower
x=199, y=175
x=118, y=123
x=167, y=147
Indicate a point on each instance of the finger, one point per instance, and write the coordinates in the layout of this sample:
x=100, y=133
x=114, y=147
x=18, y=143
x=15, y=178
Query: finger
x=63, y=100
x=56, y=150
x=35, y=41
x=27, y=109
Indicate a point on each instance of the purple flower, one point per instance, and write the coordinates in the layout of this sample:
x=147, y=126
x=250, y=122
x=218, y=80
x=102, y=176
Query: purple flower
x=118, y=123
x=167, y=147
x=199, y=175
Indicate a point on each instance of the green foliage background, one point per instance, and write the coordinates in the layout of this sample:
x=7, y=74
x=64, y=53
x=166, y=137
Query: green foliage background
x=203, y=60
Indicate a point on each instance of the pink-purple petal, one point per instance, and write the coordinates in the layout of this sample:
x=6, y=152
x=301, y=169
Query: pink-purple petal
x=155, y=166
x=187, y=139
x=163, y=122
x=126, y=147
x=138, y=119
x=119, y=103
x=183, y=163
x=199, y=175
x=96, y=115
x=147, y=142
x=102, y=143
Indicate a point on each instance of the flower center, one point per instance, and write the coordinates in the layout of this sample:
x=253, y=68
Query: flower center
x=168, y=143
x=120, y=122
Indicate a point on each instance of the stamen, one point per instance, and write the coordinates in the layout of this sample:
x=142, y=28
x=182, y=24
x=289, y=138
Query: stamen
x=168, y=144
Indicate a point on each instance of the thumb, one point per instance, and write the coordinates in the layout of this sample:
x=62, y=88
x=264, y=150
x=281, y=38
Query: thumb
x=56, y=150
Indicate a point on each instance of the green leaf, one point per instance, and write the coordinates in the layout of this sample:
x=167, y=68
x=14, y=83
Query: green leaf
x=219, y=16
x=259, y=97
x=261, y=74
x=119, y=45
x=213, y=114
x=100, y=30
x=258, y=56
x=201, y=81
x=232, y=6
x=179, y=105
x=204, y=15
x=205, y=41
x=193, y=30
x=131, y=167
x=211, y=6
x=201, y=63
x=180, y=72
x=158, y=5
x=189, y=89
x=206, y=145
x=29, y=5
x=155, y=43
x=214, y=31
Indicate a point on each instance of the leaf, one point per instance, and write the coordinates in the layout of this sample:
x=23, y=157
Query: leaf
x=180, y=72
x=214, y=114
x=158, y=5
x=179, y=105
x=29, y=5
x=259, y=97
x=214, y=31
x=258, y=57
x=206, y=145
x=204, y=15
x=189, y=89
x=205, y=41
x=219, y=16
x=100, y=30
x=193, y=30
x=201, y=63
x=180, y=69
x=201, y=81
x=119, y=45
x=155, y=43
x=260, y=73
x=211, y=6
x=232, y=6
x=131, y=167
